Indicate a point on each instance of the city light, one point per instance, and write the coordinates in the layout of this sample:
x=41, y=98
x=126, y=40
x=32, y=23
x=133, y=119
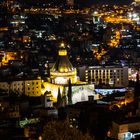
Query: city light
x=68, y=67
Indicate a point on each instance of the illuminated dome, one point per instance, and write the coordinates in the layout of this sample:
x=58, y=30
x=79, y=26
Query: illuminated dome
x=63, y=70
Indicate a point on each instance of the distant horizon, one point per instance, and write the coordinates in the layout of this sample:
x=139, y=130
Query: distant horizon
x=81, y=3
x=109, y=2
x=87, y=2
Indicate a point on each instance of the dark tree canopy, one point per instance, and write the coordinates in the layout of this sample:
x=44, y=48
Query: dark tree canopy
x=58, y=130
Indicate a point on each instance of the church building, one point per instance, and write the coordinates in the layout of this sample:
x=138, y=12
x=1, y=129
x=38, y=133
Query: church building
x=63, y=80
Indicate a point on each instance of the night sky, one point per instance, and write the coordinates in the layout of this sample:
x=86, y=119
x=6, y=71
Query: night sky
x=110, y=2
x=80, y=2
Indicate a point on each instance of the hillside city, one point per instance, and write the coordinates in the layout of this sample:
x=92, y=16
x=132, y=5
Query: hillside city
x=69, y=70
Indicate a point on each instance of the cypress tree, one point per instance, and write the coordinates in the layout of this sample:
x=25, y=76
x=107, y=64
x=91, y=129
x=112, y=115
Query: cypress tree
x=59, y=99
x=64, y=97
x=69, y=92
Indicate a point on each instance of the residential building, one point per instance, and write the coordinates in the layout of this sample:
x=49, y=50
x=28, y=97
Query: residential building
x=126, y=129
x=29, y=87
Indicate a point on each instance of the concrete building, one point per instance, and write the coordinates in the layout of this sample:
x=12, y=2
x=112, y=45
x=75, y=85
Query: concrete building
x=125, y=130
x=29, y=87
x=112, y=75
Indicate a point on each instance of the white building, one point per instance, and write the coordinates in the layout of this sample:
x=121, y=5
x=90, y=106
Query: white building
x=112, y=75
x=29, y=87
x=125, y=130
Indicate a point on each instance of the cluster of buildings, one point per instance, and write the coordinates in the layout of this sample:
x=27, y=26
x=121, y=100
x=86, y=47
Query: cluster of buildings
x=85, y=82
x=63, y=62
x=62, y=75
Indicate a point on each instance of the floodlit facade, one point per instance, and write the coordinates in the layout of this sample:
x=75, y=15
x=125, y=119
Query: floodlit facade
x=60, y=74
x=29, y=87
x=63, y=70
x=114, y=76
x=125, y=130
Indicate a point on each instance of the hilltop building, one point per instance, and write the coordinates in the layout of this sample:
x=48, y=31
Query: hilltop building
x=63, y=78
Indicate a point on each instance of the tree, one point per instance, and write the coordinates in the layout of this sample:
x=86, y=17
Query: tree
x=64, y=97
x=59, y=98
x=69, y=92
x=60, y=130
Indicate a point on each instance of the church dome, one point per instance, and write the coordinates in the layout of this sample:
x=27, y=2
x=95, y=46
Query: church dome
x=62, y=63
x=63, y=70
